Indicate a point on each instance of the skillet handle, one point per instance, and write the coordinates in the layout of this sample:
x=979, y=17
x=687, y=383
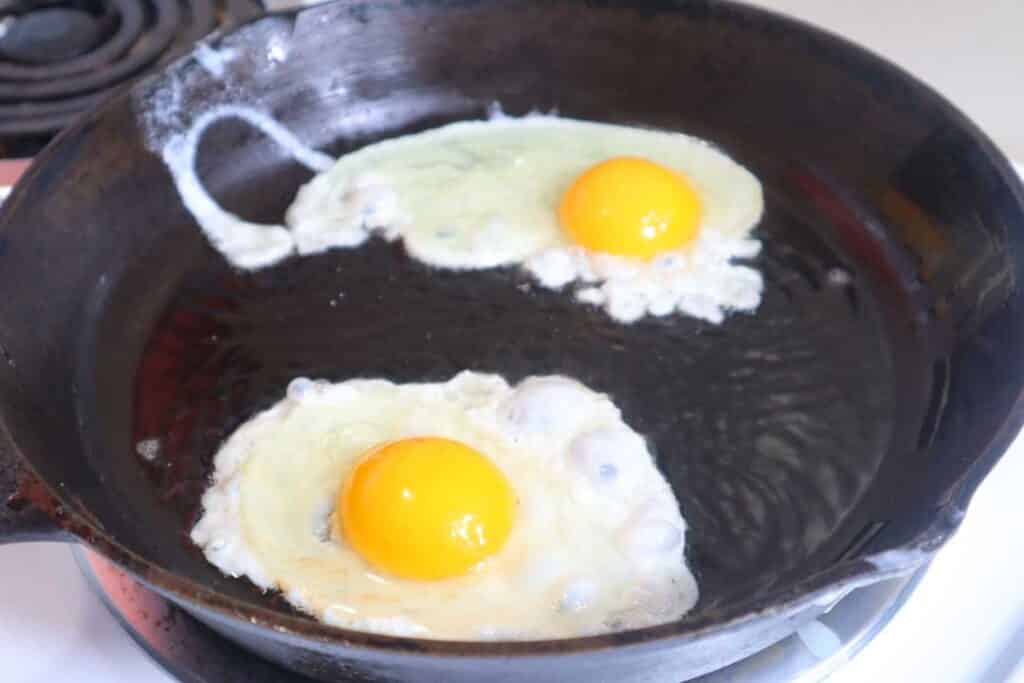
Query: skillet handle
x=20, y=517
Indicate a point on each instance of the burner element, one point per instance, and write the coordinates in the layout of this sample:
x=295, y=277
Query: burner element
x=61, y=57
x=48, y=36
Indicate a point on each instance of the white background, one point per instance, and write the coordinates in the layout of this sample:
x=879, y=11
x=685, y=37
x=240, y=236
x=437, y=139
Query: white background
x=965, y=623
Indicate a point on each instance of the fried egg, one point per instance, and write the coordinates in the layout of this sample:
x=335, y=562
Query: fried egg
x=469, y=509
x=639, y=222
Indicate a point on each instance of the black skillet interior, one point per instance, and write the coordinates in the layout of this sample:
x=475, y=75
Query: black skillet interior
x=839, y=419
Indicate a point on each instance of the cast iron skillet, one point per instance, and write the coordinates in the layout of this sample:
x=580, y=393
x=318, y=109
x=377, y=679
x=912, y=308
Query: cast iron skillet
x=829, y=440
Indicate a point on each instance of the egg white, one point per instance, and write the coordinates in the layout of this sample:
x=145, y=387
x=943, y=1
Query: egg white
x=484, y=194
x=597, y=544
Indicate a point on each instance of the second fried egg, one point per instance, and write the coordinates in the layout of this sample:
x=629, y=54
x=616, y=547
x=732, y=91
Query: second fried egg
x=468, y=509
x=553, y=195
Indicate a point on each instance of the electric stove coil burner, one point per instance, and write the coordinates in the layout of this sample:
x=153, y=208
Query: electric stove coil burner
x=59, y=58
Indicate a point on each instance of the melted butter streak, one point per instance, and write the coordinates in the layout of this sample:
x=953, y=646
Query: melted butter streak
x=244, y=244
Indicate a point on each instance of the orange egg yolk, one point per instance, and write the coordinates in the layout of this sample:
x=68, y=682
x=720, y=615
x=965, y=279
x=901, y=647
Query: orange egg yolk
x=630, y=206
x=425, y=508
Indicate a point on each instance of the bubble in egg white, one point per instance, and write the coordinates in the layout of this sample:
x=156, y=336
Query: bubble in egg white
x=653, y=536
x=626, y=305
x=578, y=594
x=609, y=457
x=300, y=388
x=546, y=406
x=661, y=304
